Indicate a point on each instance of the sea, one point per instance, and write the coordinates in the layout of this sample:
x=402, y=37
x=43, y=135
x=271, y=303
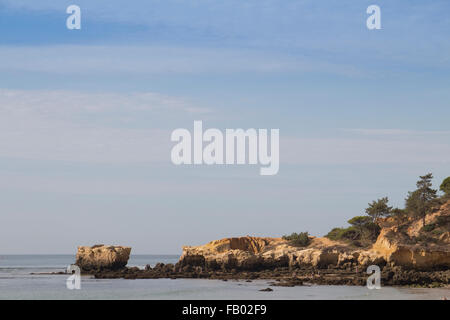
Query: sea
x=28, y=277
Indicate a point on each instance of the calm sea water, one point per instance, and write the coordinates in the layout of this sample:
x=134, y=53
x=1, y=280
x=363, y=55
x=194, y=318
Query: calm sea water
x=17, y=282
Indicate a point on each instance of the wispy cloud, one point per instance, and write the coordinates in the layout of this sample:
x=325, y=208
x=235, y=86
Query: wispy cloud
x=385, y=147
x=71, y=126
x=394, y=132
x=332, y=31
x=64, y=102
x=158, y=60
x=87, y=127
x=370, y=146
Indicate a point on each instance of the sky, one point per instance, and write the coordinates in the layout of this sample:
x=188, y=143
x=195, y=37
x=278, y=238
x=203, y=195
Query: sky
x=86, y=117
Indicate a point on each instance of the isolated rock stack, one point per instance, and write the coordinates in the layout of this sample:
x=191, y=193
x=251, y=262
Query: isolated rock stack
x=101, y=257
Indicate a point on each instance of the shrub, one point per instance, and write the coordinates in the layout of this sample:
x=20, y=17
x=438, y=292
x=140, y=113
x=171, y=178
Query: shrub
x=371, y=231
x=437, y=232
x=398, y=213
x=445, y=186
x=367, y=230
x=424, y=239
x=443, y=221
x=298, y=239
x=360, y=221
x=429, y=227
x=350, y=233
x=334, y=234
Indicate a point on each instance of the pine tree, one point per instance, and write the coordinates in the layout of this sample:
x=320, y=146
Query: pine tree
x=445, y=186
x=379, y=208
x=419, y=202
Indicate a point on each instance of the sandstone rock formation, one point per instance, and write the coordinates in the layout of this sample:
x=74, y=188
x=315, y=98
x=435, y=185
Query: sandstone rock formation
x=407, y=252
x=442, y=212
x=396, y=248
x=416, y=256
x=393, y=247
x=101, y=257
x=253, y=253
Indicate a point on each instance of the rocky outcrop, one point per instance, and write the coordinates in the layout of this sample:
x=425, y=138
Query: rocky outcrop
x=253, y=253
x=443, y=212
x=393, y=247
x=235, y=253
x=101, y=257
x=445, y=238
x=278, y=253
x=390, y=246
x=402, y=258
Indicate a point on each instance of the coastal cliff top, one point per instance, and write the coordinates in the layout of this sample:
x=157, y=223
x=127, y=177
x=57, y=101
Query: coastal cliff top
x=396, y=232
x=419, y=243
x=259, y=245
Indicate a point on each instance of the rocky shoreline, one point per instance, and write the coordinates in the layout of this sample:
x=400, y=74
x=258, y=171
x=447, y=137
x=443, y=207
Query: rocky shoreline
x=287, y=277
x=221, y=260
x=402, y=259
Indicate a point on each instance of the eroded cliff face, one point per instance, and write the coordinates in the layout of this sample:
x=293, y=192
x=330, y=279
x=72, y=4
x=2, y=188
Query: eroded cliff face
x=393, y=247
x=101, y=257
x=229, y=253
x=442, y=212
x=254, y=253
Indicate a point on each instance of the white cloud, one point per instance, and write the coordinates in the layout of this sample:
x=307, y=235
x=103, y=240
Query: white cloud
x=64, y=125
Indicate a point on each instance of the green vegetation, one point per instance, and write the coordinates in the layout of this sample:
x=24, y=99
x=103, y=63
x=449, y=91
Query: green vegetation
x=397, y=212
x=429, y=227
x=360, y=222
x=399, y=215
x=335, y=234
x=364, y=230
x=367, y=230
x=424, y=239
x=349, y=233
x=445, y=186
x=438, y=232
x=379, y=208
x=298, y=239
x=420, y=201
x=361, y=232
x=443, y=221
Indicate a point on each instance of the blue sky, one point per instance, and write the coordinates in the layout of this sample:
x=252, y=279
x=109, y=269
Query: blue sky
x=86, y=116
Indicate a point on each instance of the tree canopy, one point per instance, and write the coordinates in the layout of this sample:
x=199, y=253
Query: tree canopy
x=445, y=186
x=379, y=208
x=419, y=202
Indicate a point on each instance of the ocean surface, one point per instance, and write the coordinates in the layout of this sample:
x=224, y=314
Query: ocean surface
x=18, y=282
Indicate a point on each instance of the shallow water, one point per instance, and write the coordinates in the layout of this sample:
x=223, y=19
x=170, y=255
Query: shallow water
x=16, y=282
